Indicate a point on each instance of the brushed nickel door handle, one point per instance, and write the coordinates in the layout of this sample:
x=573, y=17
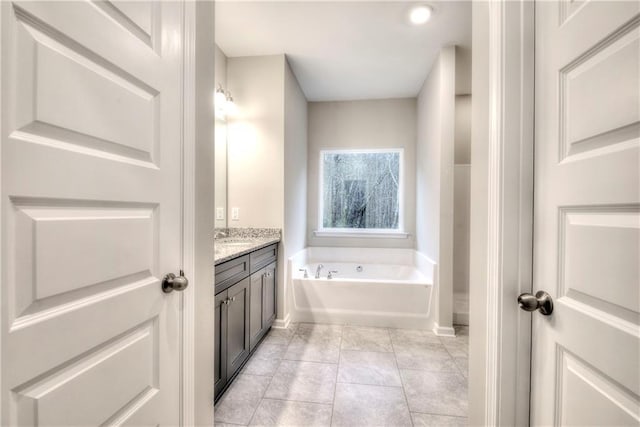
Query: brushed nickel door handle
x=171, y=282
x=541, y=301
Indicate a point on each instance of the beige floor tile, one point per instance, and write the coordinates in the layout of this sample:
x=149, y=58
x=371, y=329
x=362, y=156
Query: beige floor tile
x=369, y=405
x=288, y=413
x=303, y=381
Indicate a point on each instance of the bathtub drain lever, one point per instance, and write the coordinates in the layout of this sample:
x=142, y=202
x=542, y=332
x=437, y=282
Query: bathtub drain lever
x=329, y=276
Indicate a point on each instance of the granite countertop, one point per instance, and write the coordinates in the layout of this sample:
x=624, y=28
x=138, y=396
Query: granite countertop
x=241, y=241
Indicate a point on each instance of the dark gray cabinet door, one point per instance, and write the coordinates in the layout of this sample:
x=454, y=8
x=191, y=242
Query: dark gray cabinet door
x=256, y=325
x=220, y=342
x=237, y=325
x=269, y=291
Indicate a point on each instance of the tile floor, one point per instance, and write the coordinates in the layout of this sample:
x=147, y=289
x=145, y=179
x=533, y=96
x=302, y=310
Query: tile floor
x=321, y=375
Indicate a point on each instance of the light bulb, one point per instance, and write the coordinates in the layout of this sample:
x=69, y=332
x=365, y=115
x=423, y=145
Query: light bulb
x=230, y=107
x=219, y=98
x=420, y=14
x=219, y=103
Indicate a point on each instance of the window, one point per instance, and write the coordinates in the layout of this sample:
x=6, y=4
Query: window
x=361, y=190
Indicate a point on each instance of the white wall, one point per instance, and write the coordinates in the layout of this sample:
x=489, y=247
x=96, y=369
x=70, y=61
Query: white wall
x=256, y=141
x=387, y=123
x=478, y=233
x=463, y=70
x=220, y=77
x=461, y=217
x=267, y=156
x=463, y=130
x=434, y=177
x=295, y=180
x=201, y=277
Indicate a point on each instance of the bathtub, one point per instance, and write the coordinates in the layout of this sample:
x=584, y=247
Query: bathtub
x=372, y=287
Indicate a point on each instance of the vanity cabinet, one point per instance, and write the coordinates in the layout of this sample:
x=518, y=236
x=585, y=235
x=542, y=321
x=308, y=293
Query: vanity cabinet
x=245, y=308
x=263, y=303
x=231, y=332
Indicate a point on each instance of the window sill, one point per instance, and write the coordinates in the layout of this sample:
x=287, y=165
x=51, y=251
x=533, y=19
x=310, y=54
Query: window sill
x=393, y=234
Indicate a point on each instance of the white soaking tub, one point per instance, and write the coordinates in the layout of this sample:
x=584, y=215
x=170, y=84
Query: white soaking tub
x=372, y=287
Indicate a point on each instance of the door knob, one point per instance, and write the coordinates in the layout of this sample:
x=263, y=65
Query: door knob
x=171, y=282
x=540, y=301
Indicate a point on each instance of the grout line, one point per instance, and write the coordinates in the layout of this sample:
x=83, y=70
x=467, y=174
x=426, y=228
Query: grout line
x=371, y=385
x=335, y=386
x=270, y=381
x=439, y=414
x=297, y=401
x=310, y=361
x=458, y=369
x=404, y=392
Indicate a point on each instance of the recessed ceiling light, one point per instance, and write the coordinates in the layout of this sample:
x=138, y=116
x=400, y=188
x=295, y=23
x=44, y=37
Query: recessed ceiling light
x=420, y=14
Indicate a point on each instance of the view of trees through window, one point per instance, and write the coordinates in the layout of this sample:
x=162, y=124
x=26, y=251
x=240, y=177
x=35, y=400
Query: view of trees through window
x=361, y=189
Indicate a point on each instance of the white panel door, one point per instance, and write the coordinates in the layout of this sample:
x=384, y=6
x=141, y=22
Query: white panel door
x=586, y=355
x=91, y=212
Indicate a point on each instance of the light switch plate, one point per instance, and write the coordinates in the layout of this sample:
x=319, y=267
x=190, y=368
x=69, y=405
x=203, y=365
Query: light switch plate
x=219, y=213
x=235, y=214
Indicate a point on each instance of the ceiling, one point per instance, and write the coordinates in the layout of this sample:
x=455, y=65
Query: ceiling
x=345, y=50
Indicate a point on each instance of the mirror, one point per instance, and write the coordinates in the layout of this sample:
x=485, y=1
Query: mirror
x=220, y=155
x=220, y=152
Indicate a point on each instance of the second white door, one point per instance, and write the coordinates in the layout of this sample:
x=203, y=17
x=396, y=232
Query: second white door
x=586, y=355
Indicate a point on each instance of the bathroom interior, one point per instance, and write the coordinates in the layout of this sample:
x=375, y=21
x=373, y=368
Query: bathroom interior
x=342, y=175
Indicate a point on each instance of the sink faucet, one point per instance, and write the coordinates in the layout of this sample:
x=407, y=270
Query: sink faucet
x=219, y=235
x=320, y=267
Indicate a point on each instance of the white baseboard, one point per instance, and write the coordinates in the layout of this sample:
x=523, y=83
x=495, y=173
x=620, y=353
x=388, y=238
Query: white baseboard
x=377, y=320
x=282, y=323
x=444, y=331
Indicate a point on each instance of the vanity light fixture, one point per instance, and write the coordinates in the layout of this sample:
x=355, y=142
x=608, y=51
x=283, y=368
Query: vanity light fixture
x=230, y=107
x=420, y=14
x=220, y=97
x=219, y=102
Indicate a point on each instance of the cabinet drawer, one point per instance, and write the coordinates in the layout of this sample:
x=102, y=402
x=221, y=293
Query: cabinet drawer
x=231, y=272
x=263, y=257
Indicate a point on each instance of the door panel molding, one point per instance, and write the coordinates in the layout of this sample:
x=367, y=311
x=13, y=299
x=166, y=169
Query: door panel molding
x=573, y=373
x=41, y=401
x=147, y=32
x=620, y=46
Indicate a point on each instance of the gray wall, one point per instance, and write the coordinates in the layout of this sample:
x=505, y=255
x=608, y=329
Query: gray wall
x=386, y=123
x=295, y=179
x=434, y=176
x=461, y=215
x=202, y=276
x=220, y=77
x=463, y=130
x=478, y=233
x=256, y=141
x=267, y=145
